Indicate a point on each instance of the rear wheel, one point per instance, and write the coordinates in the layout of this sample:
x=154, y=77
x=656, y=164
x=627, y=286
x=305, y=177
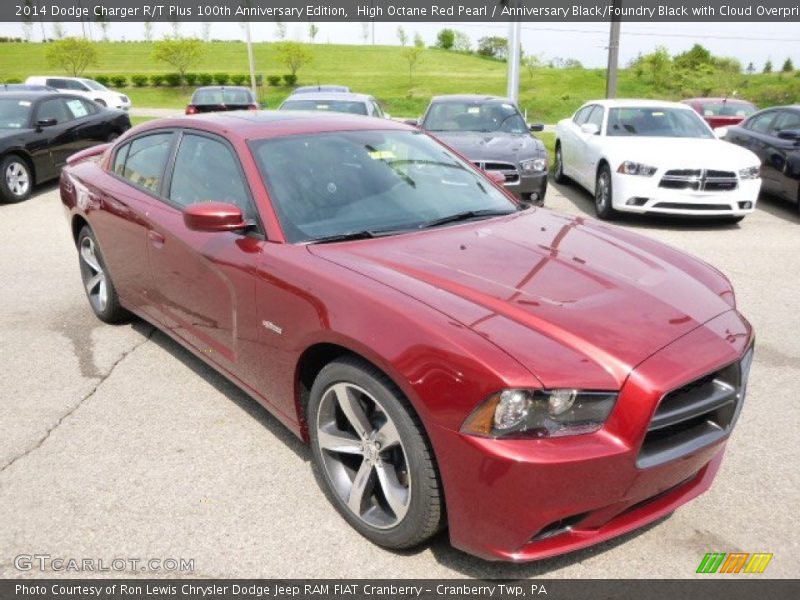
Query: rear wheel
x=97, y=282
x=371, y=456
x=17, y=180
x=558, y=167
x=604, y=193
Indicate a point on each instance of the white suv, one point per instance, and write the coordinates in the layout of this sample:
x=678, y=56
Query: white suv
x=87, y=88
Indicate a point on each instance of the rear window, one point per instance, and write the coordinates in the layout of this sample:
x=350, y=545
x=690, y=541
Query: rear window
x=237, y=96
x=727, y=109
x=343, y=106
x=144, y=165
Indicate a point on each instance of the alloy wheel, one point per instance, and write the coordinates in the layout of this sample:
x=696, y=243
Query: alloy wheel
x=559, y=167
x=363, y=456
x=94, y=277
x=18, y=180
x=602, y=194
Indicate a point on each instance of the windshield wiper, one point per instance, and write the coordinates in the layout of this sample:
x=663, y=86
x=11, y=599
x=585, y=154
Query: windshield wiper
x=363, y=234
x=465, y=216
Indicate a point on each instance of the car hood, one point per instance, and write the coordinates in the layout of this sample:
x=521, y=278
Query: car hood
x=578, y=303
x=494, y=146
x=680, y=153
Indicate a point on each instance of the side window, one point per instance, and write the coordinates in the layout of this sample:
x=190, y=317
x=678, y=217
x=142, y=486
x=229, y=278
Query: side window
x=71, y=84
x=376, y=109
x=596, y=117
x=146, y=158
x=787, y=119
x=119, y=159
x=761, y=123
x=91, y=107
x=77, y=108
x=583, y=114
x=54, y=108
x=207, y=171
x=59, y=84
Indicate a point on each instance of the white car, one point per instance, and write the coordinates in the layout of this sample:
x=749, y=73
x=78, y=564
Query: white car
x=88, y=88
x=645, y=156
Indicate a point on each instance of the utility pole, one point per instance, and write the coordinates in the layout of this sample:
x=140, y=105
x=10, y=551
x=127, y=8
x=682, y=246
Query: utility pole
x=514, y=51
x=250, y=59
x=613, y=52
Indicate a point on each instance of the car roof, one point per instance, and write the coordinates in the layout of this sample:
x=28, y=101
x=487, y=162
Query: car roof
x=638, y=102
x=718, y=100
x=332, y=96
x=222, y=87
x=28, y=94
x=330, y=88
x=471, y=98
x=26, y=87
x=264, y=124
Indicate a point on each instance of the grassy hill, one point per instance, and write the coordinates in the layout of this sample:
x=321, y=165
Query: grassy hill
x=549, y=95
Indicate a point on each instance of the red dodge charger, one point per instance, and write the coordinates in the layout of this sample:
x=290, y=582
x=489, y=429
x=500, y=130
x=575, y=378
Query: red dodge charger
x=534, y=382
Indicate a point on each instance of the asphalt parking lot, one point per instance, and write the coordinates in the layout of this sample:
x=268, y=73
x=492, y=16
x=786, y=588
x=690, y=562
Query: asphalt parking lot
x=117, y=443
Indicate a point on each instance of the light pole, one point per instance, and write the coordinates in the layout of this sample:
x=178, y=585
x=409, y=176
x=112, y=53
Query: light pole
x=250, y=59
x=613, y=52
x=514, y=52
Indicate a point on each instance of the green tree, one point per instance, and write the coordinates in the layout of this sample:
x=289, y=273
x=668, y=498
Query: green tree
x=180, y=53
x=402, y=36
x=768, y=66
x=751, y=68
x=280, y=30
x=418, y=41
x=446, y=39
x=696, y=56
x=313, y=30
x=294, y=55
x=788, y=66
x=532, y=64
x=72, y=55
x=412, y=55
x=493, y=46
x=462, y=42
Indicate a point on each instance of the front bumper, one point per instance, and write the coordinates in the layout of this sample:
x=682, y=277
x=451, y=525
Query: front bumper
x=529, y=184
x=529, y=499
x=643, y=195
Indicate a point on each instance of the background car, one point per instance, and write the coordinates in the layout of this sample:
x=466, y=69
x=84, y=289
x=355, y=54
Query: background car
x=221, y=98
x=39, y=130
x=774, y=136
x=88, y=88
x=491, y=132
x=645, y=156
x=721, y=112
x=26, y=87
x=310, y=89
x=343, y=102
x=537, y=382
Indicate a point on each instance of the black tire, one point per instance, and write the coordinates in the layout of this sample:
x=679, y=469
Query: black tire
x=16, y=179
x=424, y=512
x=558, y=166
x=604, y=194
x=732, y=220
x=103, y=301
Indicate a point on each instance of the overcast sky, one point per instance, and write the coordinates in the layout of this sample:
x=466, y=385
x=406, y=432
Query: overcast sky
x=586, y=42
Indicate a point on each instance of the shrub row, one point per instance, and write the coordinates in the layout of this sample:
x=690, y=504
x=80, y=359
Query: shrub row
x=191, y=79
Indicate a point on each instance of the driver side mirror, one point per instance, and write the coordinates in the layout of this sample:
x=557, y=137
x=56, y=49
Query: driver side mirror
x=213, y=217
x=46, y=122
x=413, y=122
x=590, y=129
x=535, y=127
x=792, y=135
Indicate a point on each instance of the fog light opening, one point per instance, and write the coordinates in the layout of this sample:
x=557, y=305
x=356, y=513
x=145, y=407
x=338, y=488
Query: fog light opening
x=636, y=201
x=745, y=205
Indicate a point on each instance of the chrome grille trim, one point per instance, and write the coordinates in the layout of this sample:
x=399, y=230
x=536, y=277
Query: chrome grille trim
x=508, y=170
x=699, y=180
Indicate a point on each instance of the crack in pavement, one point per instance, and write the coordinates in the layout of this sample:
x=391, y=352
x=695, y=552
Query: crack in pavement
x=78, y=404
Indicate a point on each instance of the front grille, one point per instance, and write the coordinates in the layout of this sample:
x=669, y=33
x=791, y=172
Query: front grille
x=700, y=180
x=696, y=415
x=688, y=206
x=508, y=170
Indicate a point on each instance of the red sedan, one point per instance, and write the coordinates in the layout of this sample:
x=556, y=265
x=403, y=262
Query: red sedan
x=535, y=382
x=721, y=112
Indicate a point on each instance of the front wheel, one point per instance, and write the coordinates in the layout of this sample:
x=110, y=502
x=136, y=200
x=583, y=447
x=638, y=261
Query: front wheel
x=558, y=167
x=604, y=194
x=371, y=456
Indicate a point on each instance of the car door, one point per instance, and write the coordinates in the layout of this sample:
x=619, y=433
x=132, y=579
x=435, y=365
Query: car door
x=783, y=156
x=588, y=147
x=57, y=140
x=755, y=135
x=570, y=141
x=204, y=281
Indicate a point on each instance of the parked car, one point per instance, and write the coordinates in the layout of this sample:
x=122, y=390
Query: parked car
x=356, y=104
x=537, y=382
x=221, y=98
x=774, y=136
x=40, y=129
x=721, y=112
x=491, y=132
x=88, y=88
x=313, y=89
x=645, y=156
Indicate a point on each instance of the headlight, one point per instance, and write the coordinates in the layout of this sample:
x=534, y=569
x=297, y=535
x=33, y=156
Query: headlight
x=630, y=167
x=750, y=173
x=533, y=165
x=521, y=413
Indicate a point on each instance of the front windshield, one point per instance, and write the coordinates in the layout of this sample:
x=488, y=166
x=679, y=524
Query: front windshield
x=475, y=116
x=93, y=85
x=338, y=183
x=342, y=106
x=727, y=109
x=643, y=121
x=14, y=113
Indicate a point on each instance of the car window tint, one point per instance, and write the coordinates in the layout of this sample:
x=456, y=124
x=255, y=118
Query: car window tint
x=71, y=84
x=206, y=171
x=119, y=159
x=55, y=108
x=146, y=158
x=760, y=123
x=583, y=114
x=787, y=119
x=59, y=84
x=596, y=117
x=91, y=107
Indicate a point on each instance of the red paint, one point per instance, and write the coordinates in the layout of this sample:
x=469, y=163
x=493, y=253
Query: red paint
x=452, y=315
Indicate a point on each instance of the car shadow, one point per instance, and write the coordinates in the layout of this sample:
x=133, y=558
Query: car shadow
x=38, y=190
x=228, y=389
x=779, y=207
x=583, y=201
